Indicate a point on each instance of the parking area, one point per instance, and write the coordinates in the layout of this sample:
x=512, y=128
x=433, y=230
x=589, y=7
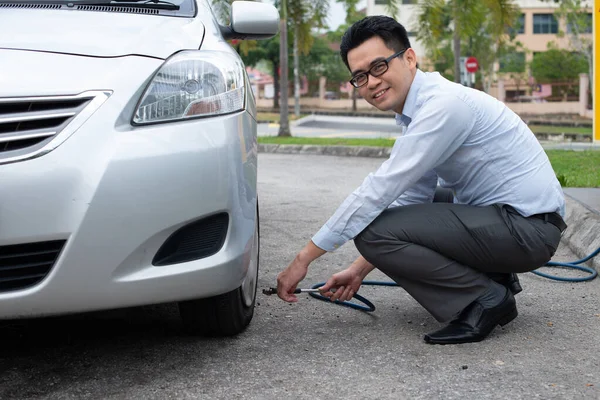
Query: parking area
x=311, y=349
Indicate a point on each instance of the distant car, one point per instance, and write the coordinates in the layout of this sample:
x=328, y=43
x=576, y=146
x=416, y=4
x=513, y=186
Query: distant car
x=529, y=99
x=128, y=159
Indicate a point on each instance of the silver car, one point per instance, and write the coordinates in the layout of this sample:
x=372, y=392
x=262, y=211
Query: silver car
x=128, y=159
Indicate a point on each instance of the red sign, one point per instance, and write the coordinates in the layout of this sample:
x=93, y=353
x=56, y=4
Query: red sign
x=471, y=64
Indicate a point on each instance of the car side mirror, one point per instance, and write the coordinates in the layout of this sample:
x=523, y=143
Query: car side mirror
x=251, y=20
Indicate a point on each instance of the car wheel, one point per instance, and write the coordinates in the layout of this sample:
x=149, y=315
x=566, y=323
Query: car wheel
x=229, y=313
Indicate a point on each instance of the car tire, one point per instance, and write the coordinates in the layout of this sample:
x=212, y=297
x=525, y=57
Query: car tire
x=227, y=314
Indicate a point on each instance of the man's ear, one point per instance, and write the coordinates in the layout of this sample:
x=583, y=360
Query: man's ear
x=411, y=57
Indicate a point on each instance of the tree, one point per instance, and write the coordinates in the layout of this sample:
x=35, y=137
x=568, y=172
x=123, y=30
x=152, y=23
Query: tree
x=323, y=61
x=512, y=63
x=465, y=20
x=304, y=16
x=352, y=16
x=579, y=28
x=265, y=50
x=284, y=124
x=556, y=65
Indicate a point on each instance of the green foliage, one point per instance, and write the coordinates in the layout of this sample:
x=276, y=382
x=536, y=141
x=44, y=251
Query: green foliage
x=264, y=50
x=512, y=59
x=578, y=17
x=443, y=62
x=480, y=25
x=562, y=179
x=556, y=65
x=323, y=61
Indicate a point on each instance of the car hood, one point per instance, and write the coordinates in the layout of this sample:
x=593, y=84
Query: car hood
x=98, y=34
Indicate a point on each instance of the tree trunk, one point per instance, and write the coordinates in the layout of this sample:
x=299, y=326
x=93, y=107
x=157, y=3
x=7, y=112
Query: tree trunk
x=590, y=58
x=354, y=96
x=284, y=126
x=296, y=74
x=456, y=54
x=275, y=86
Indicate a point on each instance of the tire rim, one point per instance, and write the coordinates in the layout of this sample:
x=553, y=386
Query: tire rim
x=249, y=284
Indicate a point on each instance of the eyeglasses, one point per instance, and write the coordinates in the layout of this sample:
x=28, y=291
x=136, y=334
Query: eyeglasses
x=378, y=69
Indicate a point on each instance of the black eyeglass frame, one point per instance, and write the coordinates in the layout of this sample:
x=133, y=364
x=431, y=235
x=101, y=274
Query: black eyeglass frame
x=353, y=80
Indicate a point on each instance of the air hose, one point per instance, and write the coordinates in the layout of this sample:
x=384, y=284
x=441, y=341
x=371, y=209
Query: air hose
x=369, y=307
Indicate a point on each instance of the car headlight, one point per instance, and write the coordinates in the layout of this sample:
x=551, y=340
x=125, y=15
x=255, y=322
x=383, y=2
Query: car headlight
x=193, y=84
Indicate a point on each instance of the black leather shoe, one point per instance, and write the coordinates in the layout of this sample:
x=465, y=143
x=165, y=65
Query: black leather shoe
x=510, y=281
x=475, y=322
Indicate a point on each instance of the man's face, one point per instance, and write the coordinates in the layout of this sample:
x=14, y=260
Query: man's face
x=387, y=91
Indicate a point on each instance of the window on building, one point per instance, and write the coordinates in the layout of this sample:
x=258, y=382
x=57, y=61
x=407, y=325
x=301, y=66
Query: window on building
x=512, y=62
x=585, y=24
x=545, y=23
x=380, y=2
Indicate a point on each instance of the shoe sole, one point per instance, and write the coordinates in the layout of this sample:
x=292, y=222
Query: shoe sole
x=508, y=318
x=502, y=321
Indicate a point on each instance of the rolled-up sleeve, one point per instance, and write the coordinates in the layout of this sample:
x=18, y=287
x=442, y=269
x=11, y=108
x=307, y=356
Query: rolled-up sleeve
x=437, y=129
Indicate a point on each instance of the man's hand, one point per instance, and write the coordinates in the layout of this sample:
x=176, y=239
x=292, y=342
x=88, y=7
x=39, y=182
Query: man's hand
x=288, y=280
x=345, y=283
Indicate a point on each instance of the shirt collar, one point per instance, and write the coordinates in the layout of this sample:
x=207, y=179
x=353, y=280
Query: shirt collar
x=411, y=100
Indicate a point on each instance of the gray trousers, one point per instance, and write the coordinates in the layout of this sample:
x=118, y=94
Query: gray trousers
x=440, y=252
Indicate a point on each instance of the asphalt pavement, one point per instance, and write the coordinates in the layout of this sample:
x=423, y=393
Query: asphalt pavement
x=312, y=349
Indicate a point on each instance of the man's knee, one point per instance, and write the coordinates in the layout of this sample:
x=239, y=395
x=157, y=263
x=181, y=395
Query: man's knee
x=369, y=241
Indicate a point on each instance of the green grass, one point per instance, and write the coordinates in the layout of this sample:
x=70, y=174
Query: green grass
x=326, y=141
x=579, y=168
x=560, y=129
x=573, y=168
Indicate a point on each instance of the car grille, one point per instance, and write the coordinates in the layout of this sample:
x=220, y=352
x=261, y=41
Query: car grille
x=28, y=124
x=24, y=265
x=197, y=240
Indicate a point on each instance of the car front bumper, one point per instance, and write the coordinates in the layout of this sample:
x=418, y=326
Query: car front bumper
x=115, y=193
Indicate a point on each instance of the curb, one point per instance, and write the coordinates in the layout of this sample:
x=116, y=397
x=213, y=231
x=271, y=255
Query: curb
x=357, y=151
x=582, y=241
x=528, y=118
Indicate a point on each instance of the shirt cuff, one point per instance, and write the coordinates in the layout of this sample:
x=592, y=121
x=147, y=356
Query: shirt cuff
x=327, y=240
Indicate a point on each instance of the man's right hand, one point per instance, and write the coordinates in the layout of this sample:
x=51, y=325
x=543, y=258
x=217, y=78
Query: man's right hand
x=288, y=280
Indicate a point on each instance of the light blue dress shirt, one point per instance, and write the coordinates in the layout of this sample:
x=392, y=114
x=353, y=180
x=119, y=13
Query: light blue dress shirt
x=459, y=138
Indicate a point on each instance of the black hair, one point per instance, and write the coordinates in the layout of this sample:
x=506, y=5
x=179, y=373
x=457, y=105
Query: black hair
x=391, y=31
